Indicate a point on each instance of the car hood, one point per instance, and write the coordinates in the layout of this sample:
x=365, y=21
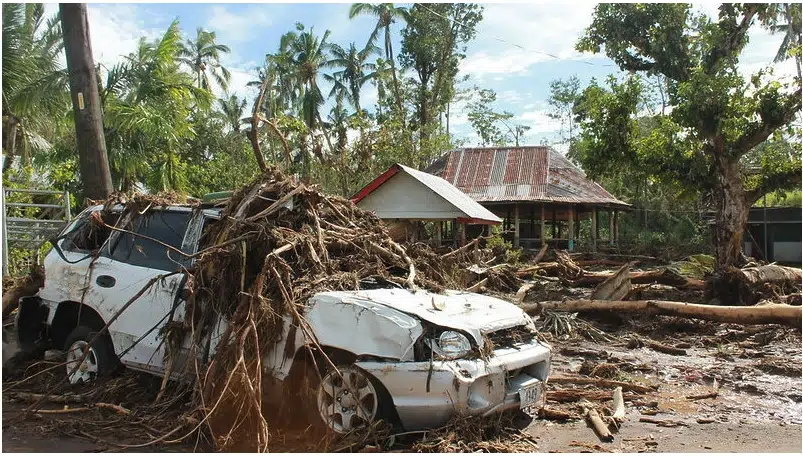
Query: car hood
x=469, y=312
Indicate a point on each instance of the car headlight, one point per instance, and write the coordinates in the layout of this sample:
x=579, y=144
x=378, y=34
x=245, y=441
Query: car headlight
x=450, y=345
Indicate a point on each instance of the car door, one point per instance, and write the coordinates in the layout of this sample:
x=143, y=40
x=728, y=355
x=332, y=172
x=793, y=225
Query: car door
x=126, y=267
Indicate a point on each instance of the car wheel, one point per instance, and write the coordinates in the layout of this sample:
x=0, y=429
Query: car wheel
x=348, y=400
x=99, y=360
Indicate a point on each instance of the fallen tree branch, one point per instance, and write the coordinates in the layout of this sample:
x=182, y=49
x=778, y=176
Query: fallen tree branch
x=780, y=314
x=598, y=425
x=601, y=382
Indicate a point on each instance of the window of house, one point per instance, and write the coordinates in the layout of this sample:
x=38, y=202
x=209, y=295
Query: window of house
x=165, y=226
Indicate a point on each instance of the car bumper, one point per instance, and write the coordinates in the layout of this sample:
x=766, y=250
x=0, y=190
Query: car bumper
x=427, y=395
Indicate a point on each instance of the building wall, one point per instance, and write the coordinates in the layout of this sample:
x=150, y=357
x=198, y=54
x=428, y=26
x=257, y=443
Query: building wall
x=403, y=197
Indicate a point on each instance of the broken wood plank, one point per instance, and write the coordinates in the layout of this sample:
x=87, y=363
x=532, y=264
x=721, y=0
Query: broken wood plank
x=781, y=313
x=541, y=253
x=618, y=404
x=614, y=287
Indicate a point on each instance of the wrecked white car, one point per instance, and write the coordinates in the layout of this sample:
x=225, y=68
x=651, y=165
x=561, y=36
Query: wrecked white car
x=416, y=358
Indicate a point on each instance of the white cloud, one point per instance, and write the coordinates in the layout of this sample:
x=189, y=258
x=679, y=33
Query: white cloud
x=539, y=122
x=513, y=37
x=115, y=31
x=237, y=27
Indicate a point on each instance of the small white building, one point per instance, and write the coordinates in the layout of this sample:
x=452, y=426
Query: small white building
x=407, y=199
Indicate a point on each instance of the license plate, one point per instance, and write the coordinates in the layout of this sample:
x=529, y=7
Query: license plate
x=529, y=395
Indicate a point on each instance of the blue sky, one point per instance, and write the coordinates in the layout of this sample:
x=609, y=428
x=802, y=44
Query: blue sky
x=508, y=55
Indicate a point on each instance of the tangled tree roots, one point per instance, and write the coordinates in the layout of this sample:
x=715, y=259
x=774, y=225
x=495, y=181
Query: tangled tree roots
x=280, y=242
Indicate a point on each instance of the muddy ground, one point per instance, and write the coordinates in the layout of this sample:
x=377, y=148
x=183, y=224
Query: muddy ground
x=757, y=409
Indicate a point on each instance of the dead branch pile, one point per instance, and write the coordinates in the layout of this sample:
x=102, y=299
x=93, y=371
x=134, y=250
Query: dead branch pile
x=497, y=434
x=282, y=242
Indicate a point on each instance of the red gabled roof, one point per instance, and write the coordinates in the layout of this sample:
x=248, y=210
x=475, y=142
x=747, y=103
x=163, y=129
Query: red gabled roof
x=528, y=173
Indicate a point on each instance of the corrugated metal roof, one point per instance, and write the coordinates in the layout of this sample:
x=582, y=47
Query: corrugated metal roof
x=530, y=173
x=450, y=193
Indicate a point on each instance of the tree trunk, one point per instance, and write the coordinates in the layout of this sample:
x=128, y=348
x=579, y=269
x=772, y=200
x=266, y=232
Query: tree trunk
x=777, y=313
x=731, y=210
x=10, y=143
x=93, y=160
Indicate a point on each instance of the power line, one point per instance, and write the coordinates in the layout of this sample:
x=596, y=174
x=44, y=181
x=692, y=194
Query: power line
x=422, y=5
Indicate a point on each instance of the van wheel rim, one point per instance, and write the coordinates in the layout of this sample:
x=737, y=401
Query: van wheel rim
x=348, y=401
x=87, y=370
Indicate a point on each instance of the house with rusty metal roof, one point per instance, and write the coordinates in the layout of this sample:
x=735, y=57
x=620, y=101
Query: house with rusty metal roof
x=541, y=196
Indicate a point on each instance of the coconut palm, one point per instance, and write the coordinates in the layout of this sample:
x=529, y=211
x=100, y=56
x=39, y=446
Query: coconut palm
x=232, y=110
x=386, y=15
x=790, y=13
x=35, y=86
x=147, y=107
x=203, y=55
x=356, y=71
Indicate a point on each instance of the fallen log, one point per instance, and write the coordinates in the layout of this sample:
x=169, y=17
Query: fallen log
x=556, y=415
x=662, y=276
x=780, y=314
x=666, y=348
x=598, y=425
x=750, y=285
x=576, y=395
x=601, y=382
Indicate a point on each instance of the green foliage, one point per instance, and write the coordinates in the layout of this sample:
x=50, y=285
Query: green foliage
x=486, y=121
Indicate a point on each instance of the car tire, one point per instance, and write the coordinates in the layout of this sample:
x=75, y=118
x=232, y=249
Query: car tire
x=376, y=402
x=99, y=361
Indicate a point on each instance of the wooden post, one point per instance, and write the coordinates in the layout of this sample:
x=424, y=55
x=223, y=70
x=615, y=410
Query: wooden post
x=616, y=226
x=462, y=234
x=543, y=226
x=594, y=228
x=554, y=224
x=438, y=232
x=516, y=234
x=92, y=158
x=577, y=224
x=610, y=227
x=571, y=228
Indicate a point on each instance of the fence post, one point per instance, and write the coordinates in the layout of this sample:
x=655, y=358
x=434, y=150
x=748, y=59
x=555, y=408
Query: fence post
x=66, y=198
x=5, y=233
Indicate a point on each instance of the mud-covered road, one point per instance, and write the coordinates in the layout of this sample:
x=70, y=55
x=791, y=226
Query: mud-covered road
x=757, y=409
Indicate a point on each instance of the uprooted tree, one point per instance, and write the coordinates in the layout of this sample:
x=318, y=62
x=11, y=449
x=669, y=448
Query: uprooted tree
x=710, y=137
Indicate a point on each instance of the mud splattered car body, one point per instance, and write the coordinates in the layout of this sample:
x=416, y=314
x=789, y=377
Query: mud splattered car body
x=426, y=356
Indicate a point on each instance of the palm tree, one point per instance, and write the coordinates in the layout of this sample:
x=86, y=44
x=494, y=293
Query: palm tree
x=203, y=55
x=355, y=73
x=232, y=110
x=790, y=12
x=386, y=15
x=148, y=100
x=35, y=86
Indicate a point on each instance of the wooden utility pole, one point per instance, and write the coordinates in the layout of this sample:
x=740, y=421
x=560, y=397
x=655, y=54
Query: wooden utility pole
x=93, y=160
